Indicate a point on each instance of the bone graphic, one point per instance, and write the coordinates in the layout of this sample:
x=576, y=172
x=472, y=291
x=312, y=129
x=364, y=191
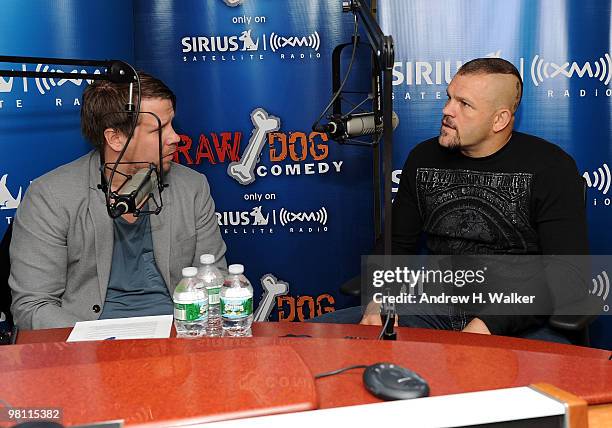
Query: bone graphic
x=242, y=171
x=7, y=202
x=272, y=289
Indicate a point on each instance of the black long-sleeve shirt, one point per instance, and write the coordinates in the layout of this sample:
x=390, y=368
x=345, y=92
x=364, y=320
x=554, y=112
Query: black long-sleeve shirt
x=527, y=198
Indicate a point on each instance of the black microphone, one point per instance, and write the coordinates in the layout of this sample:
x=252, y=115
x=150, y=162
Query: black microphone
x=388, y=315
x=134, y=192
x=354, y=125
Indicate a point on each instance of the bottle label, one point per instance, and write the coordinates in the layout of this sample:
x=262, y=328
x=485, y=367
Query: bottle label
x=214, y=294
x=191, y=312
x=236, y=307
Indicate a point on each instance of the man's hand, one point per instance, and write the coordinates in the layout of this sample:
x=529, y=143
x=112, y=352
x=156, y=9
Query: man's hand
x=372, y=315
x=476, y=326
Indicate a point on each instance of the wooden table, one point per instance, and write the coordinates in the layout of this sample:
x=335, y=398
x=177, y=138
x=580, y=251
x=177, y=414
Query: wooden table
x=451, y=362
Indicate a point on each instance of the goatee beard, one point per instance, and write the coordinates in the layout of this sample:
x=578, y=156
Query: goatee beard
x=454, y=146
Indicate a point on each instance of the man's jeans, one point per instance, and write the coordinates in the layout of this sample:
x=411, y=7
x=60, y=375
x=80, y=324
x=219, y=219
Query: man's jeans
x=439, y=318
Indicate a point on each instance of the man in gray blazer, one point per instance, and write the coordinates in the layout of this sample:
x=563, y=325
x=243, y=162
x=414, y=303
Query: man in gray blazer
x=70, y=261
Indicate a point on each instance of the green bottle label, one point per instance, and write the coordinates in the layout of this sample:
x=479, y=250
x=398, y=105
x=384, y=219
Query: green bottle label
x=234, y=308
x=214, y=295
x=191, y=312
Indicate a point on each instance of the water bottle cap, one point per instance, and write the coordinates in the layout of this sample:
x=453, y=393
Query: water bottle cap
x=207, y=259
x=236, y=269
x=189, y=272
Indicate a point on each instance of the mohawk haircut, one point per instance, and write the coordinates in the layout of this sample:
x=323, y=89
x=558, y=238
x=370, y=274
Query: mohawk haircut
x=494, y=66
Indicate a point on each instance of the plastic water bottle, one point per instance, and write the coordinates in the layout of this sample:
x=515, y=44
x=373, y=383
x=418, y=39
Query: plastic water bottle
x=213, y=281
x=237, y=303
x=190, y=305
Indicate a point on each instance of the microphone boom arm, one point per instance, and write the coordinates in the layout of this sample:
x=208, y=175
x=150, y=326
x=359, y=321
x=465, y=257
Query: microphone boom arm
x=384, y=58
x=115, y=71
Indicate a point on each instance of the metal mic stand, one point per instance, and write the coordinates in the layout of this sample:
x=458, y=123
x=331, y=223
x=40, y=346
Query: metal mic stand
x=383, y=58
x=115, y=71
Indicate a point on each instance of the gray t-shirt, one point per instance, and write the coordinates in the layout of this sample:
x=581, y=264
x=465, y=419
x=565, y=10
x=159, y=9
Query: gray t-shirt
x=135, y=288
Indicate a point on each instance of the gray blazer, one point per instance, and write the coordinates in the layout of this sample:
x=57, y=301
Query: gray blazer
x=62, y=244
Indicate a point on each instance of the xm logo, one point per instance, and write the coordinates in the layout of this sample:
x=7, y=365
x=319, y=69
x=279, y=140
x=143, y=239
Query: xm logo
x=257, y=221
x=601, y=288
x=7, y=201
x=278, y=42
x=44, y=85
x=287, y=217
x=601, y=179
x=441, y=72
x=600, y=69
x=249, y=42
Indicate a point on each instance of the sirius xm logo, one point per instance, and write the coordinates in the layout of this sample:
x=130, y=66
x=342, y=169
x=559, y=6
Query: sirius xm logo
x=250, y=45
x=16, y=86
x=542, y=71
x=599, y=180
x=600, y=69
x=44, y=85
x=261, y=221
x=601, y=289
x=288, y=217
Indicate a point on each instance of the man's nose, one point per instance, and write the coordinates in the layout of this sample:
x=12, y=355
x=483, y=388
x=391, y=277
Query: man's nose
x=449, y=109
x=173, y=137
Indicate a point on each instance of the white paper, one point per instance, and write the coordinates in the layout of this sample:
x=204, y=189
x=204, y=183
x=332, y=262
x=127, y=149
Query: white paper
x=155, y=327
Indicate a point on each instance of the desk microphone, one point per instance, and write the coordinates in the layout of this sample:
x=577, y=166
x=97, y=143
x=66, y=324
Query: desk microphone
x=134, y=192
x=355, y=125
x=387, y=317
x=388, y=381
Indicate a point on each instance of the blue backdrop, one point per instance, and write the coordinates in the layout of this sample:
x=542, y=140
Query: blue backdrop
x=294, y=205
x=39, y=118
x=303, y=214
x=561, y=48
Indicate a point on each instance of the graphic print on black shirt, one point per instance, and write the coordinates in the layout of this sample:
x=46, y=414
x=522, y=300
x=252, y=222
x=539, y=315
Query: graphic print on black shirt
x=476, y=212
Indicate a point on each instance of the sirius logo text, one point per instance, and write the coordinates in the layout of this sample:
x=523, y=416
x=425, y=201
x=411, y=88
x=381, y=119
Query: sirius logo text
x=247, y=41
x=260, y=221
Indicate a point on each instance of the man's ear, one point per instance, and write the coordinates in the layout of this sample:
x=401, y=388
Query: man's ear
x=501, y=120
x=114, y=139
